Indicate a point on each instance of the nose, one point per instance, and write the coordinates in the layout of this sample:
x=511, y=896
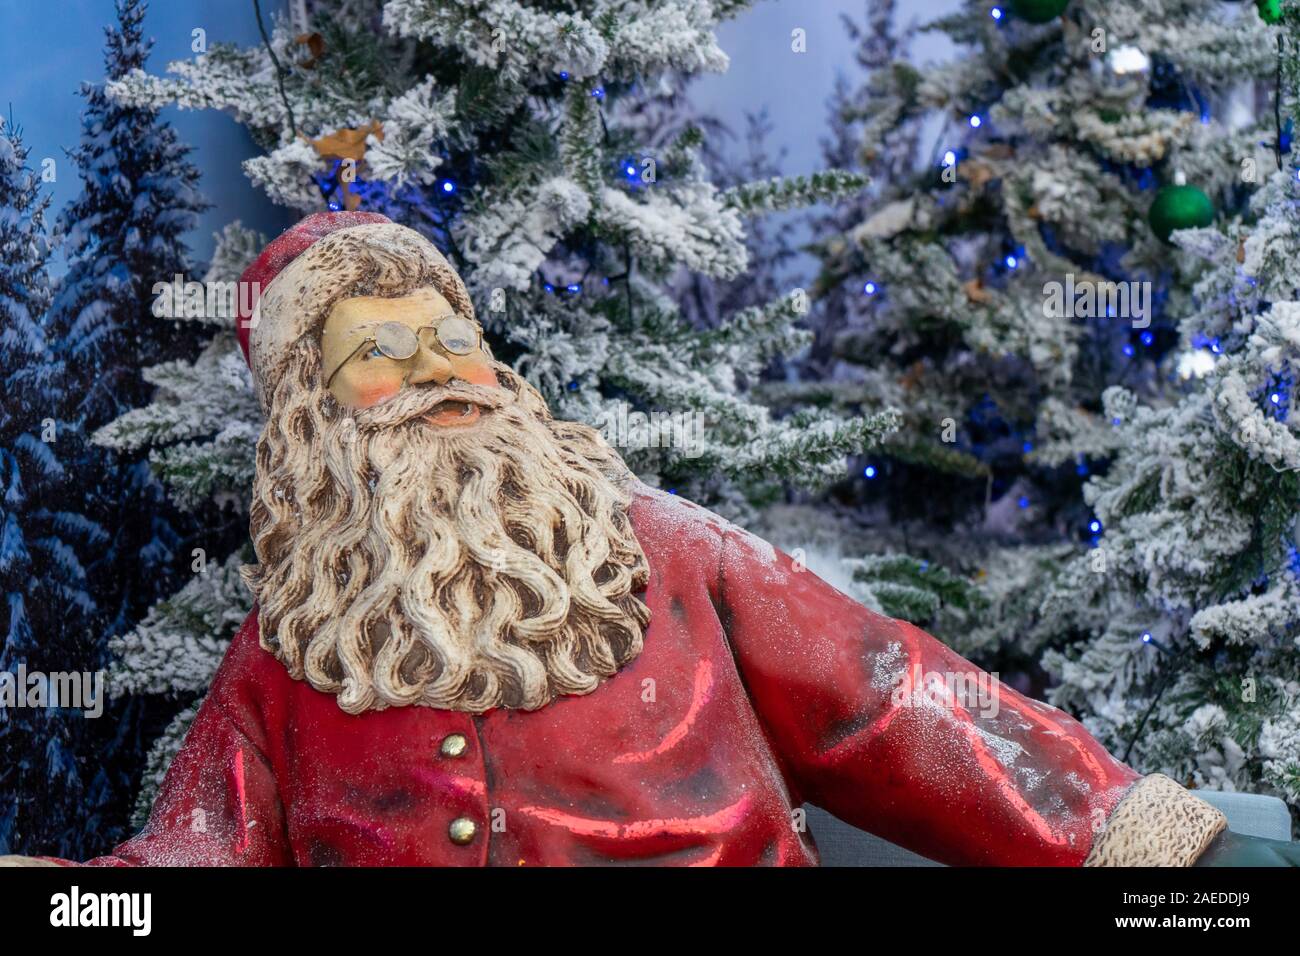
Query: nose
x=429, y=366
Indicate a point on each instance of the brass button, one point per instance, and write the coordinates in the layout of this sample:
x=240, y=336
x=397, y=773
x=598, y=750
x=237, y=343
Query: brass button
x=453, y=745
x=462, y=830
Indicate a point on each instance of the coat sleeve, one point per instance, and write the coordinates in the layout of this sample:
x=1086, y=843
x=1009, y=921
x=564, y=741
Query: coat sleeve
x=891, y=731
x=219, y=804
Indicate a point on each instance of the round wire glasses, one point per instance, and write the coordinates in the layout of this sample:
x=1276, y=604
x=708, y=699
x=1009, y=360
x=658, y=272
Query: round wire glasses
x=454, y=333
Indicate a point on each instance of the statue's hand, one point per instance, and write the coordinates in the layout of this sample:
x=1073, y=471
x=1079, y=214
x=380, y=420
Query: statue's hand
x=24, y=861
x=1234, y=849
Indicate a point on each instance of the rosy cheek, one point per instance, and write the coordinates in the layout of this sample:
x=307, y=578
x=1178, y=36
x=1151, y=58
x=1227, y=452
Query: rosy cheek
x=376, y=393
x=477, y=373
x=371, y=390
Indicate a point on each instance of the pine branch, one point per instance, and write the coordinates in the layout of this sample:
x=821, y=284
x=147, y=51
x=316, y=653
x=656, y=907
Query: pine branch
x=777, y=194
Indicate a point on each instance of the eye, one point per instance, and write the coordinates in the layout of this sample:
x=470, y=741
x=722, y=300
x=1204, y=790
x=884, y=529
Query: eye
x=373, y=353
x=458, y=335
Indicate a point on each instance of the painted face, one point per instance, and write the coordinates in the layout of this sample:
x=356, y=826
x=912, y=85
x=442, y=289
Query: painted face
x=364, y=352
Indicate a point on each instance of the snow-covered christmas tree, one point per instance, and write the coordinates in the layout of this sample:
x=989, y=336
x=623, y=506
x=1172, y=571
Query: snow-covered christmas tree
x=1189, y=654
x=121, y=236
x=45, y=604
x=997, y=291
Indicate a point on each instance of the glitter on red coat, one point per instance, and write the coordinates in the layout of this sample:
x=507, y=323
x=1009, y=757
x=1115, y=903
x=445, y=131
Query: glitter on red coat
x=703, y=688
x=241, y=803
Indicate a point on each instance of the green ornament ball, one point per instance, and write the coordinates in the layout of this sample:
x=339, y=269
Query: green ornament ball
x=1039, y=11
x=1270, y=11
x=1179, y=207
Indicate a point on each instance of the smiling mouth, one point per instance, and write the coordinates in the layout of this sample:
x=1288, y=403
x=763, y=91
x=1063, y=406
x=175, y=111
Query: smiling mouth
x=454, y=413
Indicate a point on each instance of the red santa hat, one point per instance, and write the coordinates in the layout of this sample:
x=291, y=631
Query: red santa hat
x=324, y=258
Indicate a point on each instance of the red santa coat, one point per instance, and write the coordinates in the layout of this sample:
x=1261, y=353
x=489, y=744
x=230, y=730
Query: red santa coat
x=760, y=687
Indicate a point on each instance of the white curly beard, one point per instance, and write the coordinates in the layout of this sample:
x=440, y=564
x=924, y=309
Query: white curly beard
x=403, y=563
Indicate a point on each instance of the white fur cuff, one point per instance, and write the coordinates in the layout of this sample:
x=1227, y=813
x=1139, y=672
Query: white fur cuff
x=1157, y=823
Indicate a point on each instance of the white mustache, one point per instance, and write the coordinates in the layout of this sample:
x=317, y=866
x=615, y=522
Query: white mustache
x=413, y=403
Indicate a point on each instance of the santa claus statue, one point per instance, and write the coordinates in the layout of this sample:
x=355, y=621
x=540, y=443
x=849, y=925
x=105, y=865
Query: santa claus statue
x=478, y=640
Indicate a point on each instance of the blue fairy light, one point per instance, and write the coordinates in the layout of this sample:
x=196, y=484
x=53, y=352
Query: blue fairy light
x=869, y=289
x=575, y=288
x=1094, y=526
x=1128, y=350
x=1147, y=338
x=1279, y=391
x=976, y=121
x=1024, y=501
x=1146, y=637
x=869, y=471
x=334, y=207
x=448, y=186
x=1027, y=447
x=598, y=93
x=950, y=158
x=548, y=287
x=996, y=13
x=564, y=74
x=1012, y=262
